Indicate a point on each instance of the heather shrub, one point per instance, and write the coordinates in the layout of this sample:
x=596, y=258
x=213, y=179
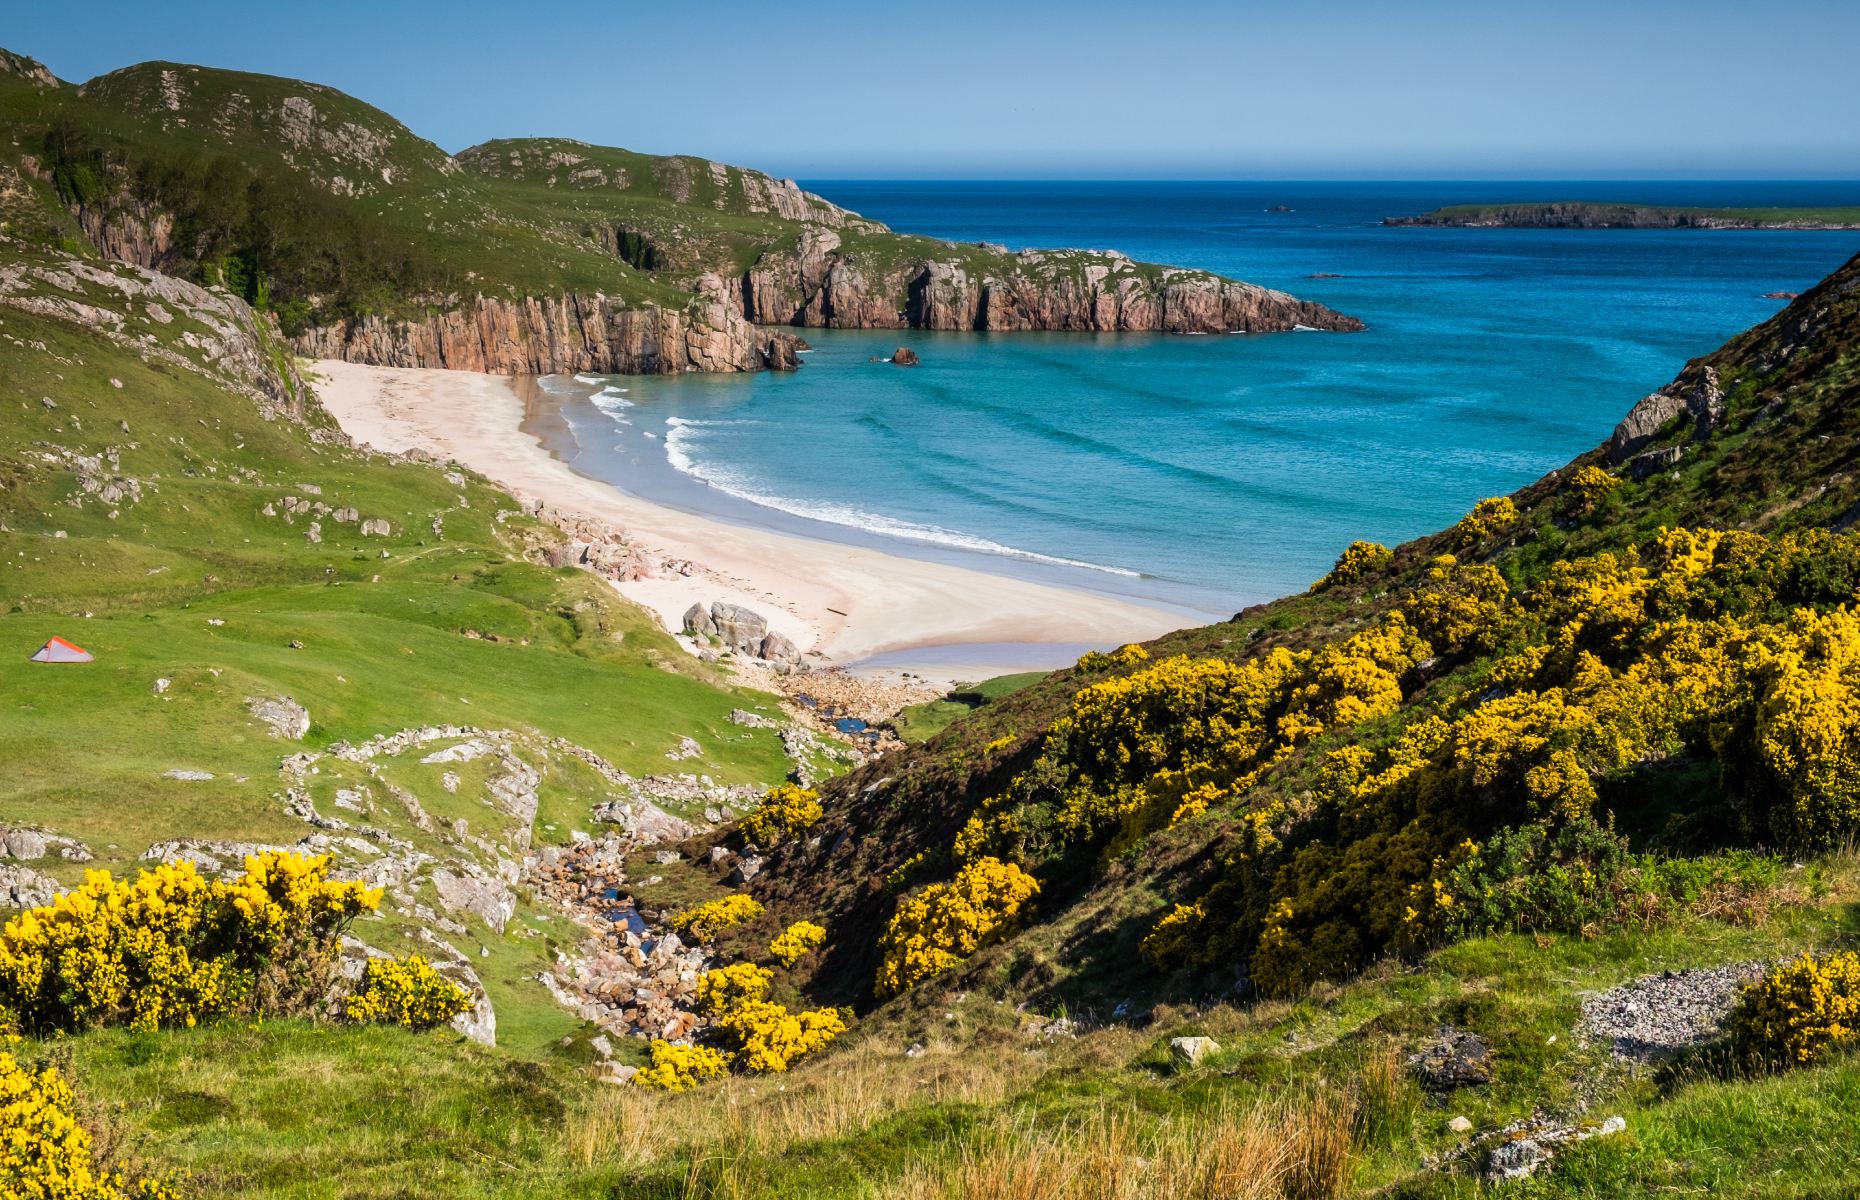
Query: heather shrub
x=945, y=923
x=705, y=921
x=1798, y=1013
x=173, y=948
x=785, y=811
x=406, y=992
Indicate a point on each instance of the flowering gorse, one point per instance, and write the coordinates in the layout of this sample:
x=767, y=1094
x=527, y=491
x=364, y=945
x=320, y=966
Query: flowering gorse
x=675, y=1068
x=1798, y=1012
x=172, y=948
x=705, y=921
x=405, y=992
x=45, y=1154
x=796, y=942
x=785, y=811
x=945, y=923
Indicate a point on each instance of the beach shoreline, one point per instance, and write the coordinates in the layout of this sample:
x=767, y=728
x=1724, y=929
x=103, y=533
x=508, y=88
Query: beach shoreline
x=838, y=603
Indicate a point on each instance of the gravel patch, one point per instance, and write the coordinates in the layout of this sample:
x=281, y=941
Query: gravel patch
x=1657, y=1016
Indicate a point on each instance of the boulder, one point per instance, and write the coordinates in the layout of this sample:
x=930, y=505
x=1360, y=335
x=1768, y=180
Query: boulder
x=904, y=356
x=489, y=899
x=1190, y=1051
x=283, y=716
x=1455, y=1058
x=23, y=887
x=740, y=628
x=25, y=844
x=776, y=648
x=698, y=622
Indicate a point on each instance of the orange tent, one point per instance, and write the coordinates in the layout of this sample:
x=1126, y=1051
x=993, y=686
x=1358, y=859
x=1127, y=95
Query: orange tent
x=60, y=651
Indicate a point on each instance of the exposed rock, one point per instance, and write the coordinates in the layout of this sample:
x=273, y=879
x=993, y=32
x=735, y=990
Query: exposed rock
x=23, y=887
x=1454, y=1059
x=778, y=649
x=698, y=622
x=1696, y=392
x=739, y=628
x=1190, y=1051
x=283, y=716
x=1460, y=1125
x=568, y=333
x=485, y=897
x=185, y=774
x=904, y=356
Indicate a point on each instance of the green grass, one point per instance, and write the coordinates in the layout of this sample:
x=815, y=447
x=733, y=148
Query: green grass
x=1833, y=216
x=289, y=1109
x=921, y=722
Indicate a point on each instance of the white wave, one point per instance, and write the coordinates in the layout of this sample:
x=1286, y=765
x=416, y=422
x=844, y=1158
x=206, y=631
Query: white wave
x=590, y=379
x=680, y=433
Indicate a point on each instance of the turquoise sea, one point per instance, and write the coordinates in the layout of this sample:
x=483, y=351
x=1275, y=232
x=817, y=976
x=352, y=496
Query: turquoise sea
x=1211, y=472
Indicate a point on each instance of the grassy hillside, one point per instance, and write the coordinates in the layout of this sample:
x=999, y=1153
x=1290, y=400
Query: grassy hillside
x=1042, y=1065
x=145, y=515
x=322, y=208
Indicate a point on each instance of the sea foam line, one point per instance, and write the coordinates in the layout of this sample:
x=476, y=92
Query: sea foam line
x=680, y=433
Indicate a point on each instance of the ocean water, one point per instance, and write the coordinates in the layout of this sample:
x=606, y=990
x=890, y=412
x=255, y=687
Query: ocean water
x=1211, y=472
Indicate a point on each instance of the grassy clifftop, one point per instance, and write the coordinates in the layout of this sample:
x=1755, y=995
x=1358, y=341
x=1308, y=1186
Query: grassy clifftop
x=329, y=212
x=1589, y=214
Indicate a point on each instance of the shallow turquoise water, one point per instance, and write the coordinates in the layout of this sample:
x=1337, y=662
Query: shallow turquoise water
x=1214, y=471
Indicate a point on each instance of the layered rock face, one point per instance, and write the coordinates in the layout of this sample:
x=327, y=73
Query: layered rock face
x=560, y=334
x=816, y=284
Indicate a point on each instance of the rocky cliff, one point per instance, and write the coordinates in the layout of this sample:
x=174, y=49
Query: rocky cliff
x=561, y=334
x=1587, y=215
x=821, y=283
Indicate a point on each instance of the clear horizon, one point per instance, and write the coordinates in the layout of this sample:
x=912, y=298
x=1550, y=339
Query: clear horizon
x=1191, y=91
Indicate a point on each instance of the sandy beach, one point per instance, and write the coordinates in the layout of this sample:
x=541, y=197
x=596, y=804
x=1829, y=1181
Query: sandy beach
x=842, y=602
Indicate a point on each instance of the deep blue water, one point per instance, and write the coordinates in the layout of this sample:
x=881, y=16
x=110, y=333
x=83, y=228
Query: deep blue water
x=1217, y=470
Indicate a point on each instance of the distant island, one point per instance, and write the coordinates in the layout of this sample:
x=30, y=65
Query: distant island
x=1586, y=214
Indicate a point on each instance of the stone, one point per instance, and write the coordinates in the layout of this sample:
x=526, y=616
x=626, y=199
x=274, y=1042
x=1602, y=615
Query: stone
x=741, y=629
x=25, y=844
x=1460, y=1125
x=1455, y=1058
x=1659, y=1016
x=778, y=649
x=1516, y=1159
x=23, y=887
x=283, y=716
x=698, y=622
x=747, y=868
x=904, y=356
x=1190, y=1051
x=489, y=899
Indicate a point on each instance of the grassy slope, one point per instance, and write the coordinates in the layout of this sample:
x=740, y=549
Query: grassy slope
x=294, y=1111
x=196, y=585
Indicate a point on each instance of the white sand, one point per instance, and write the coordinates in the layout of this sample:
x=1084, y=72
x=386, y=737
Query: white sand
x=883, y=601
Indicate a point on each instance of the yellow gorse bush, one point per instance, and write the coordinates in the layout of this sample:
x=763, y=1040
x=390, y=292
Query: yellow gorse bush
x=45, y=1154
x=764, y=1037
x=724, y=988
x=1709, y=644
x=796, y=942
x=945, y=923
x=675, y=1068
x=1798, y=1012
x=785, y=811
x=1357, y=560
x=1489, y=518
x=1165, y=743
x=408, y=992
x=705, y=921
x=1591, y=485
x=172, y=948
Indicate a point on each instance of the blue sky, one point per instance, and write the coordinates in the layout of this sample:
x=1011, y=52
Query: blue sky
x=1577, y=89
